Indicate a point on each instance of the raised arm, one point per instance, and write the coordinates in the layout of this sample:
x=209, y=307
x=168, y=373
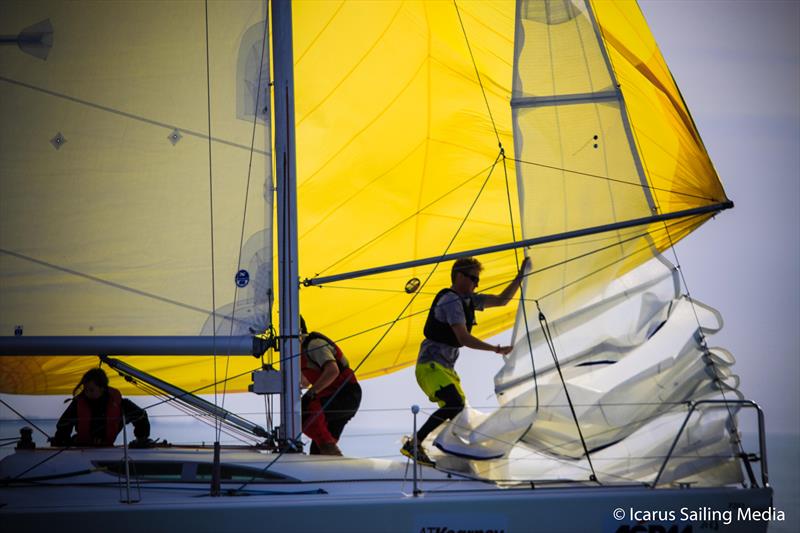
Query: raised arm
x=498, y=300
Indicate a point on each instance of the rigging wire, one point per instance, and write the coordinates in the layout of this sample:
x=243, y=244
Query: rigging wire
x=478, y=75
x=211, y=204
x=545, y=327
x=247, y=196
x=734, y=428
x=615, y=180
x=522, y=288
x=391, y=324
x=27, y=420
x=614, y=244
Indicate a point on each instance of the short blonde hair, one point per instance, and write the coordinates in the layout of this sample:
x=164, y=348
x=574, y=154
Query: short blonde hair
x=464, y=265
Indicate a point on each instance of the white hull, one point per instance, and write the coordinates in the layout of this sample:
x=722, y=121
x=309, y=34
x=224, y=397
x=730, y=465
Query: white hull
x=332, y=494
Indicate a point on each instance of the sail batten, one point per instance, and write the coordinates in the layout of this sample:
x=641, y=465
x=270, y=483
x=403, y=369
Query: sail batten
x=564, y=99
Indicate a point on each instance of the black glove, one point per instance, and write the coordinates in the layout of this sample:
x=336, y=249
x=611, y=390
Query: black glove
x=310, y=394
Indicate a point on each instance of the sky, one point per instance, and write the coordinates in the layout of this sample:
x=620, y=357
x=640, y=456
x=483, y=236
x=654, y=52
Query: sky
x=737, y=64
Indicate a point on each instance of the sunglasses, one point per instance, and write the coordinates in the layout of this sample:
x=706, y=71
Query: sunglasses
x=475, y=279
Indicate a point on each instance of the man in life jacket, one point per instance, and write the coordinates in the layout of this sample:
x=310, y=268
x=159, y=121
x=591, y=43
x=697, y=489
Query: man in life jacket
x=333, y=395
x=97, y=412
x=448, y=327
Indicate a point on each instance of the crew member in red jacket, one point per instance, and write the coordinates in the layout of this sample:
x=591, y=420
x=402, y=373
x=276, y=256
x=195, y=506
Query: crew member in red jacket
x=333, y=396
x=96, y=413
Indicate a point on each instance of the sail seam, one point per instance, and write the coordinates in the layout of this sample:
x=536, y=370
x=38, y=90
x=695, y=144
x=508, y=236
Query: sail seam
x=125, y=114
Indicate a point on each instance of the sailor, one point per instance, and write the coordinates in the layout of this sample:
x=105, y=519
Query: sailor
x=447, y=328
x=333, y=394
x=97, y=412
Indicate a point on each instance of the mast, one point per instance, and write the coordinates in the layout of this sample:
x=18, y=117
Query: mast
x=285, y=177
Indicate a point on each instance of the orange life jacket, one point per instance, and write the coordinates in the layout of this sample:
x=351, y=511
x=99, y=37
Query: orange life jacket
x=113, y=420
x=312, y=372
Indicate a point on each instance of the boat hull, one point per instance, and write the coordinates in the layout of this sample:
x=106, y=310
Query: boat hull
x=73, y=491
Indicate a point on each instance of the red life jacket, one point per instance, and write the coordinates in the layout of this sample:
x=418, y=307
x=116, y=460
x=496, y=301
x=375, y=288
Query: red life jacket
x=312, y=372
x=113, y=420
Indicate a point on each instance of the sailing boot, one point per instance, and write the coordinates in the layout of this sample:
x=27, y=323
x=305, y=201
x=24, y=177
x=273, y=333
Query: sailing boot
x=422, y=455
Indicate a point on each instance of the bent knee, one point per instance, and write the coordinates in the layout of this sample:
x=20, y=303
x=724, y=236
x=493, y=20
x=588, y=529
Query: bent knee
x=452, y=398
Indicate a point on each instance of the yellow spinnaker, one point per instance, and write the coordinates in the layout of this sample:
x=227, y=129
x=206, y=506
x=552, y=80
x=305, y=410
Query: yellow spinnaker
x=397, y=159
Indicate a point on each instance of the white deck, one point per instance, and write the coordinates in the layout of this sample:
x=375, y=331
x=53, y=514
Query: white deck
x=326, y=494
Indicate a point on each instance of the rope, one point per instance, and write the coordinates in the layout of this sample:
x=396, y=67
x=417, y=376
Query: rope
x=522, y=290
x=478, y=76
x=549, y=339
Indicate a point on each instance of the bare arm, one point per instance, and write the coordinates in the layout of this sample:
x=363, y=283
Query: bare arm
x=470, y=341
x=330, y=371
x=499, y=300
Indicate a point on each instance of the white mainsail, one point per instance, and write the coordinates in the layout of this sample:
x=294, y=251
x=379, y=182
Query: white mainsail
x=136, y=189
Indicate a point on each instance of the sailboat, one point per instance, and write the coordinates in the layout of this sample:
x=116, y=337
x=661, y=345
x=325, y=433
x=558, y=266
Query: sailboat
x=144, y=150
